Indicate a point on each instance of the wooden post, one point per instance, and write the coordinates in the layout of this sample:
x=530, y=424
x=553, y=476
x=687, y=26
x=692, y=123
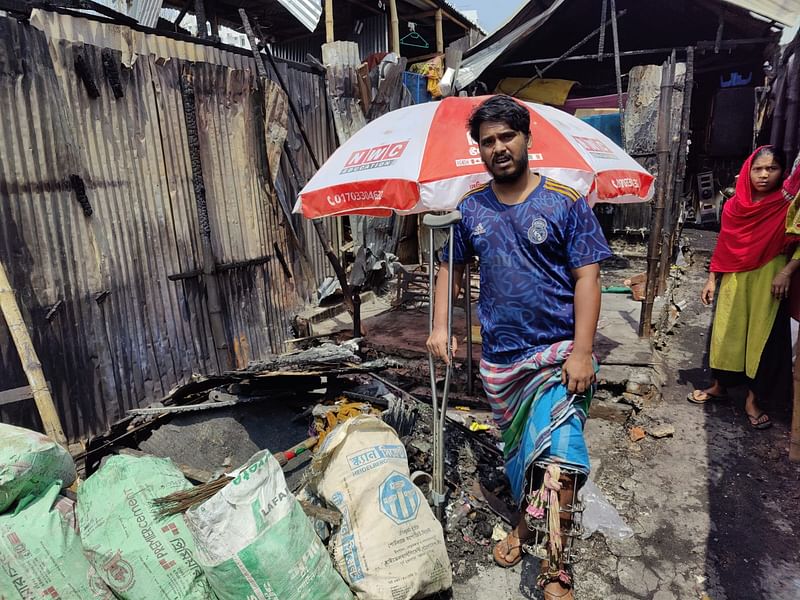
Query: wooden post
x=439, y=32
x=200, y=13
x=30, y=361
x=657, y=222
x=679, y=170
x=329, y=35
x=794, y=441
x=210, y=282
x=395, y=27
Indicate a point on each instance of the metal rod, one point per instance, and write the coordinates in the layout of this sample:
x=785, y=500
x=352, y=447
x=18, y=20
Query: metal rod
x=602, y=45
x=468, y=310
x=618, y=71
x=566, y=54
x=657, y=221
x=435, y=484
x=698, y=46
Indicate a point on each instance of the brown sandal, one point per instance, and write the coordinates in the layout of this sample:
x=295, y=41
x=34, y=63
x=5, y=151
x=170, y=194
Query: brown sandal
x=555, y=584
x=504, y=548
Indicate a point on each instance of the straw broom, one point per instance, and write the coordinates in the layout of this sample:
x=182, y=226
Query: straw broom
x=180, y=502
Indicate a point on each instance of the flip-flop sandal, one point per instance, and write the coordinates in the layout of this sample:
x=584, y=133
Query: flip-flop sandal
x=503, y=548
x=701, y=397
x=760, y=421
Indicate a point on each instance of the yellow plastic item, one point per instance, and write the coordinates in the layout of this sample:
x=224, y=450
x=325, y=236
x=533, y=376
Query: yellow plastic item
x=475, y=426
x=544, y=91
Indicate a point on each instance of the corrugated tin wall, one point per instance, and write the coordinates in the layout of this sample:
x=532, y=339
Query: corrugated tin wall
x=373, y=37
x=112, y=329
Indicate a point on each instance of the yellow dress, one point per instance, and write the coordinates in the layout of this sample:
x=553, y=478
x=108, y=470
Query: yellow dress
x=745, y=314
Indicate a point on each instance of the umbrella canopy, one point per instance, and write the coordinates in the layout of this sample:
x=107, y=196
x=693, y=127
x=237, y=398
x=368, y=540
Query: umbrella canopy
x=422, y=158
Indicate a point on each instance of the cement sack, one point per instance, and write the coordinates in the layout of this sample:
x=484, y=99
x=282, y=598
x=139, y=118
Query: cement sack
x=29, y=464
x=254, y=541
x=389, y=544
x=41, y=554
x=139, y=555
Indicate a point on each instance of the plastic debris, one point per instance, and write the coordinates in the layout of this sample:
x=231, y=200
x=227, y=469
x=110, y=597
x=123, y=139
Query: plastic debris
x=600, y=515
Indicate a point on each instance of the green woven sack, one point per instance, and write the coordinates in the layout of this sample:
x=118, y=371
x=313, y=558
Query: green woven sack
x=29, y=464
x=41, y=554
x=139, y=556
x=255, y=542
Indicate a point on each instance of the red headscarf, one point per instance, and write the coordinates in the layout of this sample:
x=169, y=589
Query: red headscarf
x=752, y=233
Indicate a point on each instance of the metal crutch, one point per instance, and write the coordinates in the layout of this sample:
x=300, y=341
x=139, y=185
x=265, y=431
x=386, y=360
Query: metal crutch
x=434, y=222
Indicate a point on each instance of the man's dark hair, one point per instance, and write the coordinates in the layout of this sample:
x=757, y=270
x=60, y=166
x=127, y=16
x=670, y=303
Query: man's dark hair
x=500, y=109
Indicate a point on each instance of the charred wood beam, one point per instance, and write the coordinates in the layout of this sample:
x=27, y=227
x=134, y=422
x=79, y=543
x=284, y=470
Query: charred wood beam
x=111, y=70
x=86, y=76
x=701, y=46
x=182, y=14
x=80, y=194
x=222, y=267
x=200, y=13
x=657, y=220
x=106, y=11
x=209, y=262
x=282, y=260
x=319, y=228
x=601, y=47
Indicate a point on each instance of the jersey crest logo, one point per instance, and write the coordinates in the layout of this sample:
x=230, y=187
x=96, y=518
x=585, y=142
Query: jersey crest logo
x=537, y=232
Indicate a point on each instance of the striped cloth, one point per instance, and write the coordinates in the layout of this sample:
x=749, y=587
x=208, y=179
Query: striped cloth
x=537, y=416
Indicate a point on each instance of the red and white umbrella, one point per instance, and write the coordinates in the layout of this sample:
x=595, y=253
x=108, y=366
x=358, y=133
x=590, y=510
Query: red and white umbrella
x=422, y=158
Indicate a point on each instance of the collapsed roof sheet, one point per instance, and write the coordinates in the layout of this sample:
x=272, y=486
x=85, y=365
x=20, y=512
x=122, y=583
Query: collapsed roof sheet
x=786, y=12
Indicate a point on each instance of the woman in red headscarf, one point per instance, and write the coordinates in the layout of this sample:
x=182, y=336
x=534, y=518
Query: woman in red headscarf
x=753, y=264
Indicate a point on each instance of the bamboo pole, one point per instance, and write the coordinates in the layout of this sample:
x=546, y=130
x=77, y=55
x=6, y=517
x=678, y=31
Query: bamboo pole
x=30, y=360
x=329, y=35
x=395, y=27
x=657, y=221
x=439, y=31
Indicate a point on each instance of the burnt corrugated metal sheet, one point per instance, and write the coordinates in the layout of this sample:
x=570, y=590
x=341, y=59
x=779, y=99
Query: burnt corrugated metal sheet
x=373, y=37
x=307, y=89
x=113, y=330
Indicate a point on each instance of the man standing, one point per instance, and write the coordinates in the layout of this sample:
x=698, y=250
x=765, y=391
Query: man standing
x=538, y=244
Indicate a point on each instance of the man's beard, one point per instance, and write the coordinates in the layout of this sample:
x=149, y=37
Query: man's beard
x=520, y=167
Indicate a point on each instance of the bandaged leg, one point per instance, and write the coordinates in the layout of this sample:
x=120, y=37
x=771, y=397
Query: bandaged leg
x=553, y=516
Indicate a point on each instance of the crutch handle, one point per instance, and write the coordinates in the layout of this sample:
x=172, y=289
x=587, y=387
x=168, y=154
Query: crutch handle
x=442, y=221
